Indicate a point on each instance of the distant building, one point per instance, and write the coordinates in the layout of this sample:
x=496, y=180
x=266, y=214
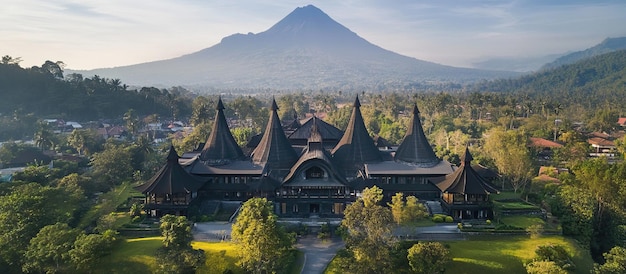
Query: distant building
x=309, y=168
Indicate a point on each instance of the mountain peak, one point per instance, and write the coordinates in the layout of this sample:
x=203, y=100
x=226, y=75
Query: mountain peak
x=306, y=19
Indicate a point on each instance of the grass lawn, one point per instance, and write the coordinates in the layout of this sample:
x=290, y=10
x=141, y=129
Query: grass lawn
x=522, y=221
x=501, y=254
x=131, y=256
x=507, y=254
x=137, y=256
x=507, y=195
x=513, y=206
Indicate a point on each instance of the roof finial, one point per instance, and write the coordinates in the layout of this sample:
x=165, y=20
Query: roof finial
x=415, y=109
x=357, y=103
x=467, y=156
x=220, y=105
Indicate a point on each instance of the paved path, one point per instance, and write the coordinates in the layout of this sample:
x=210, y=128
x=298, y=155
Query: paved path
x=318, y=253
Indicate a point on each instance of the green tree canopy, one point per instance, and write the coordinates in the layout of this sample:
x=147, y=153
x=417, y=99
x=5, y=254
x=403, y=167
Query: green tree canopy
x=428, y=257
x=176, y=232
x=264, y=246
x=369, y=239
x=49, y=251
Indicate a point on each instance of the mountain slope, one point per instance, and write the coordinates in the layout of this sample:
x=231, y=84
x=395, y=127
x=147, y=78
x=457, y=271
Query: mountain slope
x=305, y=50
x=603, y=77
x=606, y=46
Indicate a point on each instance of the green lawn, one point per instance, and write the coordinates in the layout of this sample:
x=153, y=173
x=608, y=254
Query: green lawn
x=522, y=221
x=131, y=256
x=502, y=254
x=513, y=206
x=507, y=254
x=137, y=256
x=505, y=195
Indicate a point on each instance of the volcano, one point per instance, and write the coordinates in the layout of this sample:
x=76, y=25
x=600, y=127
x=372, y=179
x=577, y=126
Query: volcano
x=305, y=50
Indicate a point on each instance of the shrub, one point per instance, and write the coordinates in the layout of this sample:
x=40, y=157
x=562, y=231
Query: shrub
x=556, y=254
x=488, y=222
x=438, y=219
x=449, y=219
x=535, y=231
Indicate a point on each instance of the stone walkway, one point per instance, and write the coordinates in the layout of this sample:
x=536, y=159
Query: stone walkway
x=318, y=253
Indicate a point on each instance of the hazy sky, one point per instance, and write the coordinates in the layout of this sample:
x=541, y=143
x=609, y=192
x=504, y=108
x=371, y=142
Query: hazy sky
x=90, y=34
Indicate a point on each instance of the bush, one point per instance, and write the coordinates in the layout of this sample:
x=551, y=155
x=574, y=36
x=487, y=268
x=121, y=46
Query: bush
x=535, y=231
x=488, y=222
x=555, y=253
x=437, y=219
x=508, y=227
x=449, y=219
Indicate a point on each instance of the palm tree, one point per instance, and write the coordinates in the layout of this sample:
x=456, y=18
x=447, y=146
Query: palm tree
x=43, y=136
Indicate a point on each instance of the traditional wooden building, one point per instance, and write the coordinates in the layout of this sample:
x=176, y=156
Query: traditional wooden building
x=465, y=193
x=171, y=189
x=311, y=168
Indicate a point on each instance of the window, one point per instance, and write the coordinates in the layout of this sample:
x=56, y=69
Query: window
x=314, y=173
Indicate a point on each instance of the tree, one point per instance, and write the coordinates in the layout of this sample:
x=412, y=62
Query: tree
x=90, y=248
x=23, y=212
x=264, y=246
x=176, y=255
x=369, y=239
x=84, y=141
x=510, y=153
x=544, y=267
x=176, y=232
x=8, y=60
x=49, y=251
x=404, y=212
x=132, y=122
x=44, y=138
x=429, y=257
x=615, y=262
x=199, y=134
x=556, y=254
x=113, y=165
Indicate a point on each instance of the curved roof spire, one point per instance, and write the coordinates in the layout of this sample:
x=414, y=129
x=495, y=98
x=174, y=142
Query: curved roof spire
x=467, y=158
x=221, y=144
x=356, y=147
x=465, y=180
x=415, y=148
x=274, y=148
x=171, y=178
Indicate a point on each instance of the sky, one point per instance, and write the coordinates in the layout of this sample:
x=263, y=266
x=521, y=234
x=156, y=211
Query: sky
x=90, y=34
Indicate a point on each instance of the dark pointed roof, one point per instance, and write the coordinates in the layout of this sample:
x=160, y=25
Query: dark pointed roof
x=326, y=130
x=356, y=147
x=315, y=154
x=465, y=180
x=274, y=148
x=295, y=124
x=415, y=148
x=221, y=145
x=171, y=179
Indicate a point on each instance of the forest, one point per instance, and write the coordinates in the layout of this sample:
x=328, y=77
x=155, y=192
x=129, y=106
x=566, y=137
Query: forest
x=496, y=118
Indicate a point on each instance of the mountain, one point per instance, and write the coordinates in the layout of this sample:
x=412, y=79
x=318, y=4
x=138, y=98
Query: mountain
x=599, y=79
x=519, y=64
x=305, y=50
x=606, y=46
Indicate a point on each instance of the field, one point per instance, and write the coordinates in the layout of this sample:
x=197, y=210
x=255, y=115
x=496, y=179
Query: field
x=507, y=254
x=137, y=256
x=503, y=254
